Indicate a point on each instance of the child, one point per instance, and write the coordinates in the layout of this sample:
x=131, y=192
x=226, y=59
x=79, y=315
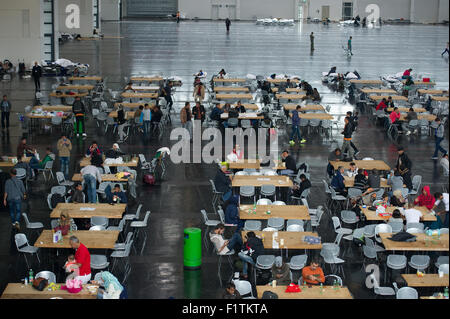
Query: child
x=71, y=267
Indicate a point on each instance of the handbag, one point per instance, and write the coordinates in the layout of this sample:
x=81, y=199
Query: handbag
x=40, y=283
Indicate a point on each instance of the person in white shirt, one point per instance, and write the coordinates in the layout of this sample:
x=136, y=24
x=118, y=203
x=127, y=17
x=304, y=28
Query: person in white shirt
x=442, y=199
x=352, y=171
x=444, y=162
x=91, y=176
x=224, y=246
x=411, y=214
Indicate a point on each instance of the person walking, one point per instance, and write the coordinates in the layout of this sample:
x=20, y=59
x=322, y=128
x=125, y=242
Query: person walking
x=64, y=147
x=349, y=45
x=91, y=175
x=36, y=73
x=146, y=118
x=79, y=111
x=121, y=121
x=296, y=127
x=199, y=92
x=5, y=107
x=227, y=24
x=311, y=39
x=404, y=165
x=446, y=50
x=186, y=118
x=14, y=194
x=178, y=16
x=167, y=92
x=346, y=145
x=439, y=136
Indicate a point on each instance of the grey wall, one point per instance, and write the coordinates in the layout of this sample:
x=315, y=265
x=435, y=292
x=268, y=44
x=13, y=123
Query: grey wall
x=397, y=9
x=86, y=17
x=285, y=9
x=20, y=31
x=109, y=10
x=443, y=10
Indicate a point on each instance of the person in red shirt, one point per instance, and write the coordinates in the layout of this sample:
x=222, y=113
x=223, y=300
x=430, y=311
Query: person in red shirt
x=395, y=117
x=313, y=274
x=83, y=259
x=406, y=74
x=425, y=198
x=382, y=105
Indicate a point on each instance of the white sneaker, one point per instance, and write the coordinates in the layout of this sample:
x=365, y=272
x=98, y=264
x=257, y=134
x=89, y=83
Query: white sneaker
x=435, y=157
x=84, y=134
x=408, y=132
x=78, y=134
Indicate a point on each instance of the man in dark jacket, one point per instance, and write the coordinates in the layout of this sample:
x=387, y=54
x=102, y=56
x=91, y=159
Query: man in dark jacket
x=305, y=183
x=115, y=195
x=404, y=165
x=5, y=107
x=79, y=111
x=348, y=131
x=223, y=183
x=232, y=213
x=291, y=165
x=227, y=24
x=36, y=73
x=353, y=119
x=253, y=248
x=198, y=111
x=337, y=182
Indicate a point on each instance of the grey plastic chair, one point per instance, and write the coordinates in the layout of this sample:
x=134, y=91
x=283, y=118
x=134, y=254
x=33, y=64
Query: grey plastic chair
x=395, y=262
x=24, y=247
x=298, y=262
x=407, y=293
x=381, y=291
x=281, y=203
x=441, y=261
x=295, y=228
x=444, y=268
x=264, y=201
x=247, y=191
x=265, y=261
x=349, y=217
x=420, y=226
x=97, y=228
x=419, y=262
x=141, y=224
x=208, y=223
x=276, y=222
x=252, y=225
x=244, y=288
x=99, y=221
x=33, y=226
x=396, y=226
x=290, y=222
x=62, y=180
x=416, y=182
x=99, y=262
x=382, y=228
x=50, y=276
x=268, y=190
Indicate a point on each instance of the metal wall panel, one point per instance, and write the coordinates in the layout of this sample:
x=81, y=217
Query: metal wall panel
x=151, y=8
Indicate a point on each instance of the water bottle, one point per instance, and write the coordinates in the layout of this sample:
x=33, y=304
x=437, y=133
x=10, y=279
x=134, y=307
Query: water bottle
x=446, y=292
x=321, y=288
x=30, y=278
x=25, y=281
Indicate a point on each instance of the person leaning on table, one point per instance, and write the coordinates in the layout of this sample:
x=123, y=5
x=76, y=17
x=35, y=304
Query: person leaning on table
x=83, y=258
x=313, y=274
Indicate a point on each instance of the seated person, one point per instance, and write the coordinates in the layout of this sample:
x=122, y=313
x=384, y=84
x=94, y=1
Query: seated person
x=374, y=181
x=231, y=292
x=411, y=214
x=382, y=105
x=71, y=267
x=291, y=166
x=297, y=190
x=232, y=213
x=253, y=247
x=114, y=152
x=352, y=171
x=396, y=181
x=233, y=112
x=116, y=195
x=444, y=162
x=156, y=117
x=397, y=200
x=407, y=73
x=281, y=272
x=384, y=201
x=224, y=246
x=441, y=209
x=222, y=182
x=411, y=115
x=94, y=148
x=313, y=274
x=395, y=117
x=335, y=156
x=396, y=216
x=425, y=198
x=129, y=87
x=23, y=149
x=355, y=207
x=360, y=181
x=337, y=182
x=77, y=196
x=390, y=102
x=35, y=164
x=316, y=95
x=239, y=107
x=332, y=70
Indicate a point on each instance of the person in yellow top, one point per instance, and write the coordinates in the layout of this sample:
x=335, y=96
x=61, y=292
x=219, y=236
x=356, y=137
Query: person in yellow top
x=64, y=147
x=313, y=274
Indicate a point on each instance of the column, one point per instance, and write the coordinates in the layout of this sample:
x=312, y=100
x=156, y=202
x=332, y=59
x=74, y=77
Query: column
x=110, y=10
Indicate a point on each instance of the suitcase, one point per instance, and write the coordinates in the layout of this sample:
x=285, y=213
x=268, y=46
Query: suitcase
x=149, y=179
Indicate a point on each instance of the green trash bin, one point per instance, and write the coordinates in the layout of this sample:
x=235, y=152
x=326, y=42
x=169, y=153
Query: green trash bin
x=192, y=248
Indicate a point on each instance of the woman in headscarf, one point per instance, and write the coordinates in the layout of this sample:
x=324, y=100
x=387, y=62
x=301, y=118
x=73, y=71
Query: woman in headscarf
x=112, y=288
x=398, y=200
x=65, y=223
x=425, y=198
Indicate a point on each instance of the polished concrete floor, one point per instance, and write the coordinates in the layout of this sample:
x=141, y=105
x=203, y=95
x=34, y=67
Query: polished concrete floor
x=149, y=47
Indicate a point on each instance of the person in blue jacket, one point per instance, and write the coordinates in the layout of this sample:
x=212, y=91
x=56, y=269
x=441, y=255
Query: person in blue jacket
x=232, y=213
x=116, y=195
x=337, y=182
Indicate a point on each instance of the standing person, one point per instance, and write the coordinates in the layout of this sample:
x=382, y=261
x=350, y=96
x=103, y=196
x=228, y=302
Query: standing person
x=146, y=116
x=311, y=39
x=348, y=131
x=442, y=214
x=83, y=259
x=198, y=111
x=64, y=147
x=439, y=136
x=199, y=92
x=79, y=111
x=404, y=165
x=349, y=45
x=14, y=194
x=296, y=126
x=156, y=118
x=178, y=16
x=36, y=73
x=227, y=24
x=5, y=106
x=137, y=115
x=121, y=121
x=186, y=118
x=446, y=50
x=353, y=119
x=167, y=91
x=91, y=175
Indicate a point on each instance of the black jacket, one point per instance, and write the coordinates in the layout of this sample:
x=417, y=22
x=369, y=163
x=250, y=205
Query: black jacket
x=156, y=116
x=78, y=107
x=348, y=130
x=36, y=72
x=405, y=164
x=121, y=117
x=257, y=245
x=198, y=110
x=112, y=153
x=290, y=163
x=303, y=185
x=222, y=182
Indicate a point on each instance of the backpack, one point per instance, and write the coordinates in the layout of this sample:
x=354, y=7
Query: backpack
x=403, y=236
x=149, y=179
x=55, y=199
x=269, y=295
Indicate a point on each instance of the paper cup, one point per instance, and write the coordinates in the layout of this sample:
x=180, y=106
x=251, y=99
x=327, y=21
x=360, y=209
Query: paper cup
x=441, y=274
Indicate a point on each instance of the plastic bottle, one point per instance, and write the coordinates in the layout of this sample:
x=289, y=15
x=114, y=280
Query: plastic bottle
x=321, y=288
x=25, y=281
x=335, y=284
x=446, y=292
x=30, y=278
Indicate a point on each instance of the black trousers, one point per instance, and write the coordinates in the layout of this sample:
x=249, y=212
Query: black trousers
x=37, y=83
x=5, y=117
x=407, y=180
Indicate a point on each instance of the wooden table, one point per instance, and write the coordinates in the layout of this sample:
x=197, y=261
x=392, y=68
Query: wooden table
x=144, y=88
x=80, y=94
x=248, y=106
x=440, y=98
x=259, y=180
x=86, y=78
x=350, y=182
x=243, y=164
x=75, y=210
x=368, y=165
x=75, y=87
x=230, y=89
x=132, y=95
x=133, y=163
x=20, y=291
x=270, y=80
x=394, y=97
x=372, y=215
x=146, y=79
x=312, y=292
x=309, y=107
x=418, y=245
x=432, y=92
x=292, y=239
x=105, y=178
x=236, y=96
x=380, y=91
x=406, y=109
x=9, y=163
x=316, y=116
x=421, y=83
x=244, y=116
x=44, y=116
x=284, y=96
x=429, y=117
x=230, y=80
x=369, y=82
x=128, y=114
x=290, y=90
x=132, y=105
x=52, y=108
x=99, y=239
x=428, y=280
x=282, y=211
